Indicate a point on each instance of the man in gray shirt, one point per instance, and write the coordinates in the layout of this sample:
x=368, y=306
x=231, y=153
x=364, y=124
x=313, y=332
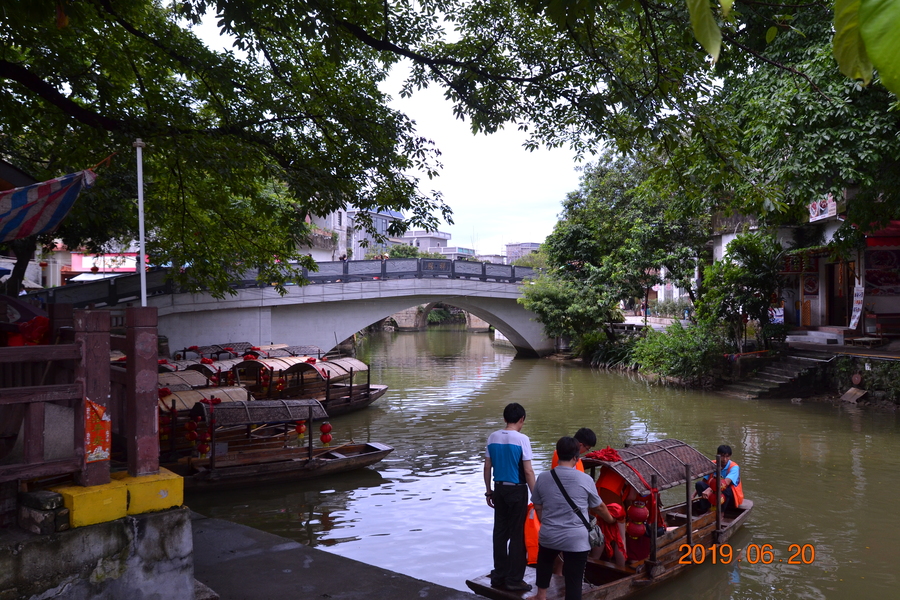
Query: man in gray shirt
x=562, y=530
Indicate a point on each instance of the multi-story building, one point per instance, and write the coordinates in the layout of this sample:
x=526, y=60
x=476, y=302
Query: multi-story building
x=360, y=241
x=426, y=240
x=518, y=250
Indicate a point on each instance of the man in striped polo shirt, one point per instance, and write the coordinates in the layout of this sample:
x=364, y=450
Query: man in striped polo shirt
x=507, y=461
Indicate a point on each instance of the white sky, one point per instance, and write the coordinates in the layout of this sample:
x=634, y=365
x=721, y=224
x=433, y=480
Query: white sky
x=500, y=193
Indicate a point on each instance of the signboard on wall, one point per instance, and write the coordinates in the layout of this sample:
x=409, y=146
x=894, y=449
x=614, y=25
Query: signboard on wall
x=859, y=296
x=822, y=209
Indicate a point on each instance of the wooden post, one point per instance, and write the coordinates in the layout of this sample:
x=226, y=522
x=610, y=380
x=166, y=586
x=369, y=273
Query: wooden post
x=309, y=430
x=141, y=431
x=211, y=426
x=718, y=506
x=689, y=507
x=654, y=521
x=92, y=336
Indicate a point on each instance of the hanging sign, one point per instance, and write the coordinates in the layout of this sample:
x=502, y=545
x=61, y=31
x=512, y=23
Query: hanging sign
x=859, y=296
x=97, y=432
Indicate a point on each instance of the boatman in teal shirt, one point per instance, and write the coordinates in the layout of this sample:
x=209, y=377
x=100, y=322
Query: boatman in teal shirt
x=507, y=462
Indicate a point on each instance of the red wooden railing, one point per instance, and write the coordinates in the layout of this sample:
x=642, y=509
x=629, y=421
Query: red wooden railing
x=77, y=367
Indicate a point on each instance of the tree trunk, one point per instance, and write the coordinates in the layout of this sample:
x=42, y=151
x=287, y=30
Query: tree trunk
x=24, y=251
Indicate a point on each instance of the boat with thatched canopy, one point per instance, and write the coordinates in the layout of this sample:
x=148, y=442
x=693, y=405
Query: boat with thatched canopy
x=632, y=476
x=342, y=385
x=250, y=465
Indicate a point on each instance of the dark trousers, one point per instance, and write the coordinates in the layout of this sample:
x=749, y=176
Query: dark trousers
x=573, y=570
x=705, y=504
x=510, y=510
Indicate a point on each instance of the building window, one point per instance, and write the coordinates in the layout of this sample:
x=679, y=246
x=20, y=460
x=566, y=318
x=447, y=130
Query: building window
x=339, y=218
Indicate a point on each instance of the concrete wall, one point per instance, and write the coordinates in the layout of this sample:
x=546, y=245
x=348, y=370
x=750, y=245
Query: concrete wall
x=145, y=557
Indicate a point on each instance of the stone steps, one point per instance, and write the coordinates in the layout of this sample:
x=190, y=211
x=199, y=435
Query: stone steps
x=767, y=381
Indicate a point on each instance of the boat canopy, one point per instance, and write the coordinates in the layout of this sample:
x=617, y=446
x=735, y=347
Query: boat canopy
x=185, y=400
x=180, y=381
x=327, y=369
x=257, y=412
x=216, y=366
x=665, y=459
x=177, y=365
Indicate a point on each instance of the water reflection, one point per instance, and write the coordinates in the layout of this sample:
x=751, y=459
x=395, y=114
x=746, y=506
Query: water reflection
x=820, y=475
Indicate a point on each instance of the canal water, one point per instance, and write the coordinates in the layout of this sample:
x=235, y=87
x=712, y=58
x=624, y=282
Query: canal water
x=822, y=477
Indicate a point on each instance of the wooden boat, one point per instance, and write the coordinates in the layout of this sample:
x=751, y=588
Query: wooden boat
x=331, y=382
x=229, y=468
x=663, y=464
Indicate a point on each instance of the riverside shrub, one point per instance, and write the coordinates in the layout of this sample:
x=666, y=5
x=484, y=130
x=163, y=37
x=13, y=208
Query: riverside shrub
x=688, y=353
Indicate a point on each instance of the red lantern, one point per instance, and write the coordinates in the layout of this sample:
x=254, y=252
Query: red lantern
x=326, y=438
x=191, y=436
x=203, y=448
x=205, y=436
x=164, y=420
x=325, y=427
x=635, y=530
x=164, y=430
x=301, y=428
x=190, y=426
x=638, y=512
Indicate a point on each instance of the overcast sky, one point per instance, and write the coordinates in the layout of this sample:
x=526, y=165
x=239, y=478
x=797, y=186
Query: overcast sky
x=500, y=193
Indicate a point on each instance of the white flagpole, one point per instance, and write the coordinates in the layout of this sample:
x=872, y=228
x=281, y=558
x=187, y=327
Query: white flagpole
x=141, y=264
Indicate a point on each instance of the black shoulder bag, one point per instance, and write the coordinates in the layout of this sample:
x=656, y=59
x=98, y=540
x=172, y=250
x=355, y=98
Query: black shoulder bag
x=595, y=534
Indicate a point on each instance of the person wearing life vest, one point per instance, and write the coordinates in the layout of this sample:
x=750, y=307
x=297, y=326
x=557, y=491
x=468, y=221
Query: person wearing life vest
x=731, y=490
x=586, y=439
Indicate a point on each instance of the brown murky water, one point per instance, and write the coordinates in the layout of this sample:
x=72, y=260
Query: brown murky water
x=823, y=476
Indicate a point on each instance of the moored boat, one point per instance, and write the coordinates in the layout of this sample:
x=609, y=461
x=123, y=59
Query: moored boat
x=225, y=467
x=342, y=385
x=673, y=545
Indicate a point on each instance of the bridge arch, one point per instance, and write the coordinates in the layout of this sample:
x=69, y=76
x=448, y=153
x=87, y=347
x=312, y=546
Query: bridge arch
x=325, y=315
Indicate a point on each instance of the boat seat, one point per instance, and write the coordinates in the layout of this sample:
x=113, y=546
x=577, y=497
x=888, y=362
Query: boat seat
x=336, y=454
x=611, y=565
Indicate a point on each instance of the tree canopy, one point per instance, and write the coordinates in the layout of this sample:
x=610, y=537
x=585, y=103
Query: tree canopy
x=243, y=144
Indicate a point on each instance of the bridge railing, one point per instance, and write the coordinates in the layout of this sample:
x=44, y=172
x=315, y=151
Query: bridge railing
x=126, y=288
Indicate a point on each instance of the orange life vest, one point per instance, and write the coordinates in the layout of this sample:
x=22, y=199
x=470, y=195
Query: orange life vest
x=579, y=465
x=532, y=531
x=737, y=489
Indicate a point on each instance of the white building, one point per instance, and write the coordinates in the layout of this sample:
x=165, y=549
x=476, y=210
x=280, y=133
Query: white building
x=518, y=250
x=361, y=242
x=426, y=240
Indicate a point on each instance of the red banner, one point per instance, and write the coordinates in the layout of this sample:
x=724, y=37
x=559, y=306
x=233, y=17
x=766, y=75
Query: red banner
x=97, y=432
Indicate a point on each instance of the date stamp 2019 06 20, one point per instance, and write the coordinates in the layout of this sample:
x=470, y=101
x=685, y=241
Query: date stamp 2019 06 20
x=754, y=554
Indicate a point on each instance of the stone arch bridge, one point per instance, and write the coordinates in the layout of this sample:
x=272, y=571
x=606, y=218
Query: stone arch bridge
x=341, y=299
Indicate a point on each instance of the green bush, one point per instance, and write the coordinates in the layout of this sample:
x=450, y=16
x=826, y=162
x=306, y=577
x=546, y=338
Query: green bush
x=672, y=309
x=618, y=354
x=586, y=345
x=689, y=353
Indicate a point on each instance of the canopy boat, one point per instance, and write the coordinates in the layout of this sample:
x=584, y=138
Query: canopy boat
x=331, y=382
x=268, y=465
x=627, y=476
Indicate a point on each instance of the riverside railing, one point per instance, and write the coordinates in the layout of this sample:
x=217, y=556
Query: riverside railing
x=126, y=288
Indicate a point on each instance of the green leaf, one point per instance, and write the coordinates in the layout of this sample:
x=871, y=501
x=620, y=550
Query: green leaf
x=726, y=6
x=879, y=24
x=706, y=30
x=770, y=34
x=848, y=47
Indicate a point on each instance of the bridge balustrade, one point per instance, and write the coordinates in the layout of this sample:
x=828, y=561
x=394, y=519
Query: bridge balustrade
x=125, y=288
